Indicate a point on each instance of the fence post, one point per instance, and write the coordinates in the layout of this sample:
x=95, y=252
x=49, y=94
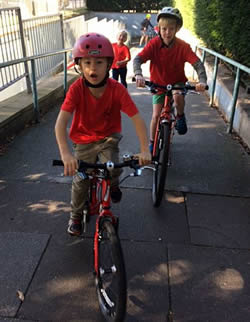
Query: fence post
x=62, y=32
x=26, y=68
x=34, y=91
x=234, y=100
x=211, y=103
x=203, y=57
x=65, y=73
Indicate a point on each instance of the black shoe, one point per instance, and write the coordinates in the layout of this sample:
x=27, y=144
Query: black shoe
x=116, y=194
x=75, y=227
x=181, y=125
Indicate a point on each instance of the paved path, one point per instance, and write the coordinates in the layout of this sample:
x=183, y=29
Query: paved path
x=188, y=259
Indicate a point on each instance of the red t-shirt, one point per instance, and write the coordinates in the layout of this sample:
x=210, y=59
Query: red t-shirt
x=121, y=53
x=95, y=118
x=167, y=64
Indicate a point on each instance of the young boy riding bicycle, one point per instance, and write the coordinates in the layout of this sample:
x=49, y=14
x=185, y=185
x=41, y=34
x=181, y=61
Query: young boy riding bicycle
x=96, y=102
x=168, y=55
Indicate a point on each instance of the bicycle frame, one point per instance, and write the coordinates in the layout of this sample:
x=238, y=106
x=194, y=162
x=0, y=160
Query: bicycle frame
x=109, y=267
x=100, y=205
x=167, y=115
x=163, y=138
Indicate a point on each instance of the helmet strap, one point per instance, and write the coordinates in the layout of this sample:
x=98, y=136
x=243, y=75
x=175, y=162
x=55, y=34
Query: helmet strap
x=101, y=84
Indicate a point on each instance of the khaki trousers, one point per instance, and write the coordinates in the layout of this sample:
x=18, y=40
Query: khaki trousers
x=104, y=150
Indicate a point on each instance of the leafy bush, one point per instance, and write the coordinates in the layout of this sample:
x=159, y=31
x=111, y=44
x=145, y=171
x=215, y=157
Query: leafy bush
x=223, y=25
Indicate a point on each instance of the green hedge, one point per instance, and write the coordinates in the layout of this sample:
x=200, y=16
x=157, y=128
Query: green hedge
x=223, y=25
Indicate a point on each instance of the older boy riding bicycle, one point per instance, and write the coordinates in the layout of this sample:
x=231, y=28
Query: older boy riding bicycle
x=167, y=55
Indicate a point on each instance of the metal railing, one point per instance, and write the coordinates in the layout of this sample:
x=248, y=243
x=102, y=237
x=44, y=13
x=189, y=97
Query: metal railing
x=32, y=60
x=21, y=38
x=239, y=67
x=12, y=47
x=42, y=35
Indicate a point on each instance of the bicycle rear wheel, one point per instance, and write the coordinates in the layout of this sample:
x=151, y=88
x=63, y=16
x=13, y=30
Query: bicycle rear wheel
x=161, y=157
x=111, y=284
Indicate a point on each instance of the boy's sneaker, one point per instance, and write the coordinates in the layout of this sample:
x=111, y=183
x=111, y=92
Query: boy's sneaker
x=75, y=227
x=116, y=194
x=181, y=125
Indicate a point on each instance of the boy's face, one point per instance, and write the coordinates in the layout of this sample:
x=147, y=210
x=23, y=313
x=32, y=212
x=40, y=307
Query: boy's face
x=122, y=37
x=94, y=69
x=168, y=28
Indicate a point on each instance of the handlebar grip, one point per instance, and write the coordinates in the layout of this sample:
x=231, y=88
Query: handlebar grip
x=57, y=163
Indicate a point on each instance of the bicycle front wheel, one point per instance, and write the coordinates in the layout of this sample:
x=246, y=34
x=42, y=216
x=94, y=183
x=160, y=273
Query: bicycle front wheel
x=161, y=157
x=111, y=284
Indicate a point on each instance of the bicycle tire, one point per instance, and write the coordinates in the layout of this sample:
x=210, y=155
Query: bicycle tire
x=111, y=283
x=161, y=157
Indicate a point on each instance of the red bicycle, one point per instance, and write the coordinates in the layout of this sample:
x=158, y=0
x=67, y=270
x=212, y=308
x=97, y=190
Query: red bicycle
x=163, y=136
x=109, y=266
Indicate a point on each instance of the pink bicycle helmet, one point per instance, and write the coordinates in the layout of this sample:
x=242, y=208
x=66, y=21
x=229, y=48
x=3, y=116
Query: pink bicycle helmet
x=92, y=45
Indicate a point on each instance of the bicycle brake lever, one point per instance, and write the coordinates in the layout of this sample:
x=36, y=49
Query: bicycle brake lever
x=152, y=89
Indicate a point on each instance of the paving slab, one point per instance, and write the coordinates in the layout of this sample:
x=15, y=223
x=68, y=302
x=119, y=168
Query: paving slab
x=209, y=284
x=36, y=148
x=207, y=159
x=20, y=255
x=139, y=220
x=219, y=221
x=199, y=164
x=64, y=273
x=64, y=289
x=34, y=207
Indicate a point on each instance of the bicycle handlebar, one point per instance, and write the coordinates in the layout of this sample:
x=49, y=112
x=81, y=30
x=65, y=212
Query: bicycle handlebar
x=132, y=163
x=168, y=88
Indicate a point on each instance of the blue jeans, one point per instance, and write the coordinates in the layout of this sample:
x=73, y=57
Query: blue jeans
x=122, y=72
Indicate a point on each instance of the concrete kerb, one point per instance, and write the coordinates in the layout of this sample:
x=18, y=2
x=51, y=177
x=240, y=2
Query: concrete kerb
x=223, y=97
x=18, y=111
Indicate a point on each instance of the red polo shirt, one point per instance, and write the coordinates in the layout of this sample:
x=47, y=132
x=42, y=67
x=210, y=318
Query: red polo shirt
x=167, y=64
x=95, y=118
x=121, y=53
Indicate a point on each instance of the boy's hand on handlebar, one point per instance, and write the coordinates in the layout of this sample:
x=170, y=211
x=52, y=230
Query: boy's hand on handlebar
x=144, y=158
x=140, y=81
x=200, y=87
x=70, y=164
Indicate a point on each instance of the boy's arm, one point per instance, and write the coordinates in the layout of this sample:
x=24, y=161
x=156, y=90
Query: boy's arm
x=141, y=131
x=127, y=59
x=137, y=65
x=70, y=162
x=201, y=72
x=140, y=81
x=122, y=62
